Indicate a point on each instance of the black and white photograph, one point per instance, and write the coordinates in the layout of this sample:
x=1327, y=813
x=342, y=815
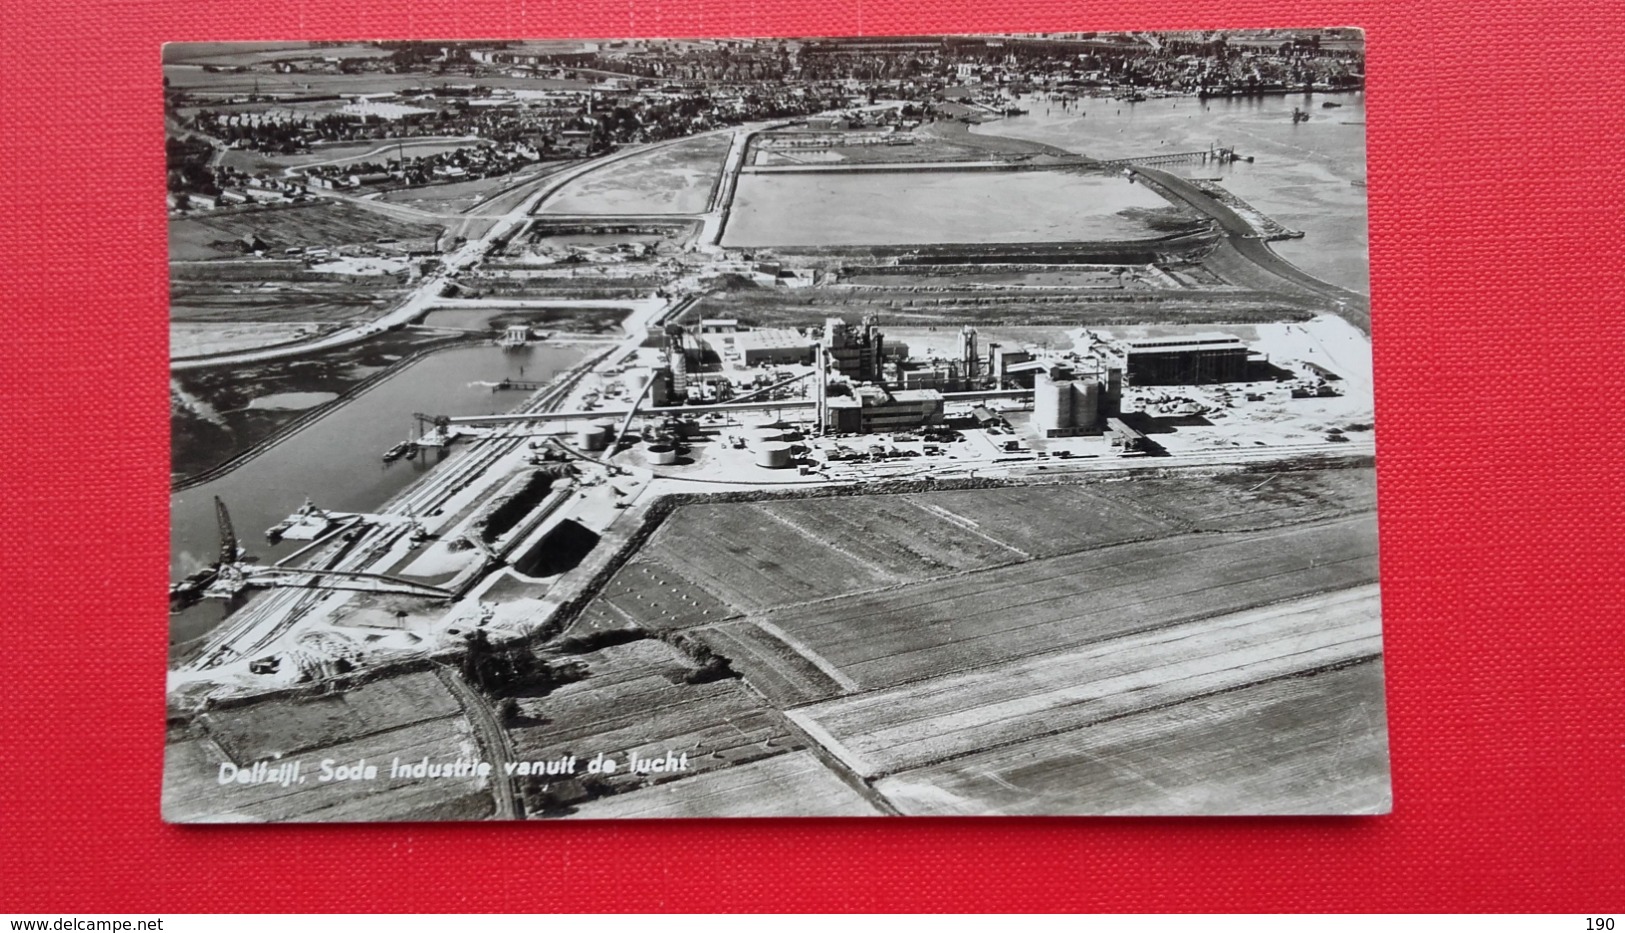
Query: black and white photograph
x=964, y=425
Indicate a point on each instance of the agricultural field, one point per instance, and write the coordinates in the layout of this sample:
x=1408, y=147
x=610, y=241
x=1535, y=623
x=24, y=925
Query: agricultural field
x=306, y=303
x=711, y=562
x=638, y=697
x=956, y=623
x=1308, y=744
x=784, y=785
x=325, y=224
x=1104, y=646
x=672, y=179
x=1237, y=501
x=409, y=716
x=887, y=731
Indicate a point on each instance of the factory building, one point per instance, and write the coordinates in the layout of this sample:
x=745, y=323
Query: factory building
x=1065, y=404
x=1003, y=366
x=932, y=374
x=872, y=409
x=1198, y=360
x=855, y=352
x=773, y=346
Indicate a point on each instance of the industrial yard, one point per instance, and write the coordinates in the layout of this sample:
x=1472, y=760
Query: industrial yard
x=549, y=468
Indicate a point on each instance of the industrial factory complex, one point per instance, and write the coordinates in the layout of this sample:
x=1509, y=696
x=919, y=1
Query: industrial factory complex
x=551, y=442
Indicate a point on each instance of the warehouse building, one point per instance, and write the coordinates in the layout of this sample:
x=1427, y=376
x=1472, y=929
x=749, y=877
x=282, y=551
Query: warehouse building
x=771, y=347
x=872, y=409
x=1198, y=360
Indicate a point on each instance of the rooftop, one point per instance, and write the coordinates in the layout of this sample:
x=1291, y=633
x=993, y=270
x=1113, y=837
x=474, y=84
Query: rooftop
x=770, y=339
x=1190, y=342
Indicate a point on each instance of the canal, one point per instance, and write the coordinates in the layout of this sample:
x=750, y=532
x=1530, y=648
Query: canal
x=336, y=460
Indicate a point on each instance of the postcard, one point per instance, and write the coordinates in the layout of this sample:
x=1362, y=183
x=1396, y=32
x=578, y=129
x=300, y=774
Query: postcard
x=904, y=425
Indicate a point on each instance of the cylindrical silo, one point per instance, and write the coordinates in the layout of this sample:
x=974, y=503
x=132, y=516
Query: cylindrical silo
x=1052, y=404
x=1085, y=403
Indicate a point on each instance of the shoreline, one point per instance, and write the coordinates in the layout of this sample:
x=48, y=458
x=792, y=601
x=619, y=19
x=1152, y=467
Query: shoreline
x=311, y=415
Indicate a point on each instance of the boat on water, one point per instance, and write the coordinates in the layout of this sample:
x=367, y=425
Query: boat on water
x=411, y=451
x=190, y=590
x=398, y=451
x=307, y=523
x=1330, y=104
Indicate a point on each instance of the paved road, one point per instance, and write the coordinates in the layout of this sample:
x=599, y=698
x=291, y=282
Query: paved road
x=425, y=296
x=495, y=745
x=1243, y=255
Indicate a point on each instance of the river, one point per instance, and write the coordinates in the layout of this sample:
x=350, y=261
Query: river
x=1309, y=176
x=337, y=459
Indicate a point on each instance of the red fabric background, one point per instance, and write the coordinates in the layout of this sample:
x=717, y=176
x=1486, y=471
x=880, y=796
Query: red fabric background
x=1497, y=186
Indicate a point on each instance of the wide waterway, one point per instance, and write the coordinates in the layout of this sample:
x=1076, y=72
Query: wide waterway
x=337, y=460
x=1309, y=176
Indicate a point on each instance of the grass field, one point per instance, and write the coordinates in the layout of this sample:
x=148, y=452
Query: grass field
x=315, y=224
x=674, y=179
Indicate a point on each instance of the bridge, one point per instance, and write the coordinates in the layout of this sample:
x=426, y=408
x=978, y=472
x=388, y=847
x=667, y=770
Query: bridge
x=1216, y=154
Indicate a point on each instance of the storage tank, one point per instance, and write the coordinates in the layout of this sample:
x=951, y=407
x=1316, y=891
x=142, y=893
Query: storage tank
x=760, y=436
x=662, y=454
x=601, y=432
x=590, y=438
x=773, y=455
